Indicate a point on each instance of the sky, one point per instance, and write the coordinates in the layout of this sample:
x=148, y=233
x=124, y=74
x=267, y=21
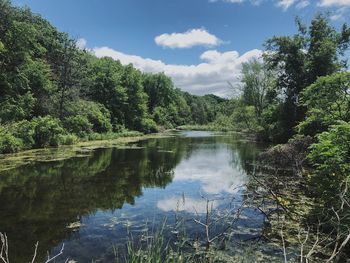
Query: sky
x=200, y=44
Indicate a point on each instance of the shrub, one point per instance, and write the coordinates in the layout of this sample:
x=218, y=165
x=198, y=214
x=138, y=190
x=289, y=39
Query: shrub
x=24, y=130
x=148, y=126
x=47, y=131
x=330, y=157
x=9, y=143
x=327, y=101
x=78, y=125
x=88, y=112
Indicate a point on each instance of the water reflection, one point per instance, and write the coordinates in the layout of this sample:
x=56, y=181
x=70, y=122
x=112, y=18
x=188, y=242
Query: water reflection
x=88, y=202
x=213, y=169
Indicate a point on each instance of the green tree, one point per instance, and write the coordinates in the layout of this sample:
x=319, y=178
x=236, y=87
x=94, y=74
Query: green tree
x=298, y=60
x=135, y=109
x=105, y=86
x=257, y=82
x=326, y=101
x=68, y=68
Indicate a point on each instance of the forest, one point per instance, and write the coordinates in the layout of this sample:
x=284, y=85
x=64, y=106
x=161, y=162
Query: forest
x=53, y=93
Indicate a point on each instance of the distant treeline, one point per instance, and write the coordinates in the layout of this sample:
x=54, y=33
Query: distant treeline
x=52, y=92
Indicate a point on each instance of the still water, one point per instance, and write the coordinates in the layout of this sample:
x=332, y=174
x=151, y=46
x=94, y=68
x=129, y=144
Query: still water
x=93, y=203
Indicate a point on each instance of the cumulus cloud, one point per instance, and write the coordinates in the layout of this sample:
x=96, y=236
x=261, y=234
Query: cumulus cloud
x=339, y=3
x=210, y=76
x=190, y=38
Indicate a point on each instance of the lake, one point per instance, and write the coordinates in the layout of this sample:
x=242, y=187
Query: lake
x=93, y=203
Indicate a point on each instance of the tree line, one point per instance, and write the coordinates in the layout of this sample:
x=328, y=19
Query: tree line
x=52, y=92
x=298, y=95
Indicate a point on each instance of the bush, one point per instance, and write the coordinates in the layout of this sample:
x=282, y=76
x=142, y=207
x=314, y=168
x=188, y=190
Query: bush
x=98, y=117
x=9, y=143
x=23, y=130
x=326, y=101
x=244, y=119
x=330, y=157
x=78, y=125
x=148, y=126
x=47, y=131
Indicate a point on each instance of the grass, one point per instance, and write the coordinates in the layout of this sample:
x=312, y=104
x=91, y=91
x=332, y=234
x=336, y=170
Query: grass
x=153, y=247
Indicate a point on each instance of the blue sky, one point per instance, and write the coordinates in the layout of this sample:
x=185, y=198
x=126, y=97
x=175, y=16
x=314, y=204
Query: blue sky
x=201, y=44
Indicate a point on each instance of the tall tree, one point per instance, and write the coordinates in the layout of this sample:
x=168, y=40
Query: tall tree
x=69, y=68
x=298, y=60
x=104, y=85
x=257, y=81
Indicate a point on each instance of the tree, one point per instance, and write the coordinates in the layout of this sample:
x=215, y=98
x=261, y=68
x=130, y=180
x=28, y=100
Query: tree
x=68, y=68
x=135, y=108
x=105, y=86
x=300, y=59
x=257, y=81
x=326, y=101
x=160, y=90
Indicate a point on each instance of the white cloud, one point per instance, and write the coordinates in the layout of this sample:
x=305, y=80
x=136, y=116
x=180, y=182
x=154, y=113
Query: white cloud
x=339, y=3
x=285, y=4
x=210, y=76
x=340, y=13
x=190, y=38
x=81, y=43
x=302, y=4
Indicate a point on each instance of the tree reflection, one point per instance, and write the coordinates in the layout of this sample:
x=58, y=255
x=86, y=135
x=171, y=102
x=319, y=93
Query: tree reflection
x=39, y=200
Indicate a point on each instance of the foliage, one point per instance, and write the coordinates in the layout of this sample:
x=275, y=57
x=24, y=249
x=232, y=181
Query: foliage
x=44, y=73
x=244, y=118
x=9, y=143
x=94, y=117
x=78, y=125
x=17, y=108
x=257, y=82
x=299, y=60
x=330, y=157
x=47, y=131
x=326, y=101
x=148, y=126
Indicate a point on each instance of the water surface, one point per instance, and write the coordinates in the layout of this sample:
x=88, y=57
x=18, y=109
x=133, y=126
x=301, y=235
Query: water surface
x=91, y=203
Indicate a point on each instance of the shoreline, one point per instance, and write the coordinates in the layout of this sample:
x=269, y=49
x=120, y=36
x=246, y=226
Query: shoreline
x=79, y=149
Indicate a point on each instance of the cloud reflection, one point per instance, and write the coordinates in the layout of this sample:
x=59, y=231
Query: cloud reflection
x=216, y=172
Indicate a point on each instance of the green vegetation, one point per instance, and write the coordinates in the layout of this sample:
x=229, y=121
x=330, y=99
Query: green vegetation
x=298, y=87
x=53, y=93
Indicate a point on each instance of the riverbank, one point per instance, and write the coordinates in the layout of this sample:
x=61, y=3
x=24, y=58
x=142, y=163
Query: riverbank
x=79, y=149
